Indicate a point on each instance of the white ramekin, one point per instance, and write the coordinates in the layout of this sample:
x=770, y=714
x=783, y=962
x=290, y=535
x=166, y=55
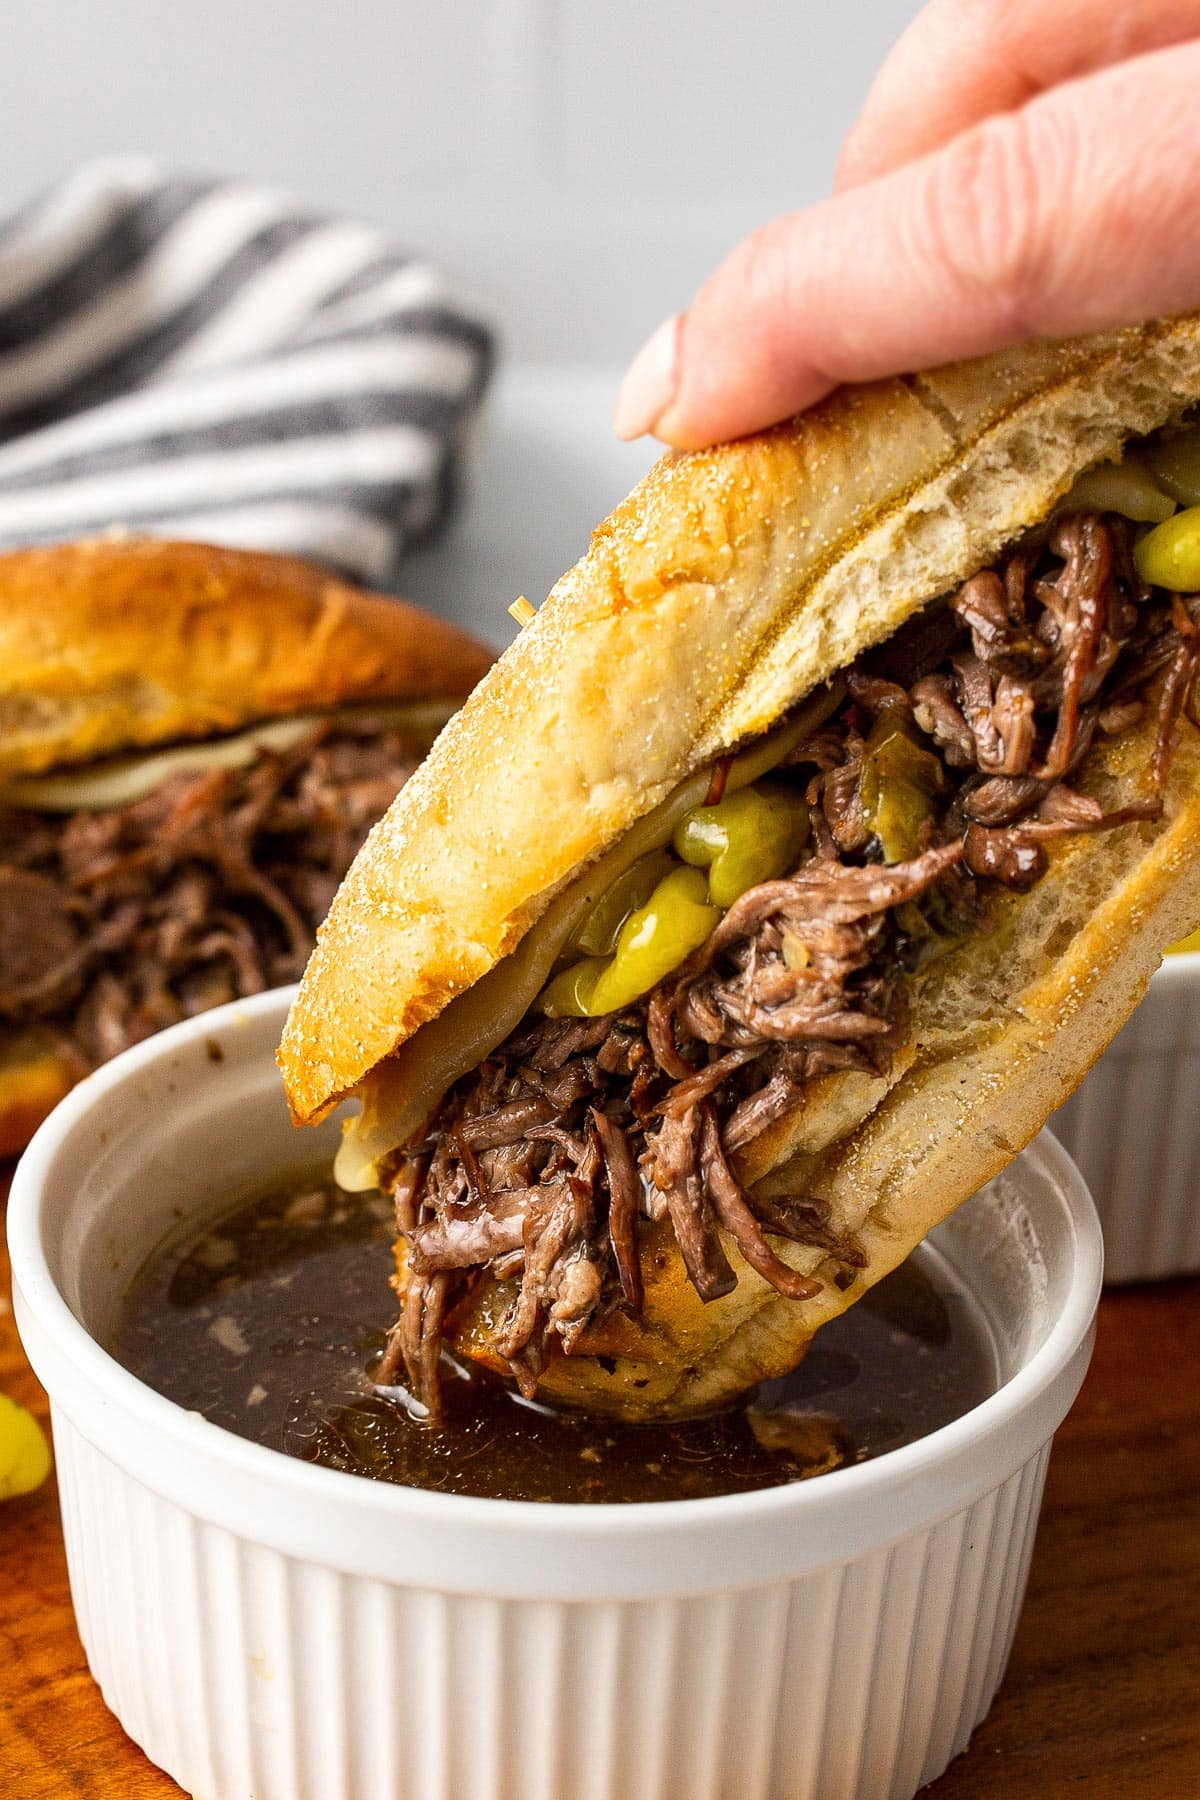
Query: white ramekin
x=1133, y=1127
x=266, y=1628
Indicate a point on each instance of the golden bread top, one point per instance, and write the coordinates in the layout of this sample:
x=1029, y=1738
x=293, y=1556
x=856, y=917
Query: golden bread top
x=726, y=587
x=110, y=645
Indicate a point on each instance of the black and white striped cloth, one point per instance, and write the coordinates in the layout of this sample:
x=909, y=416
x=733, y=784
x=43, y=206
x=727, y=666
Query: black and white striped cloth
x=206, y=359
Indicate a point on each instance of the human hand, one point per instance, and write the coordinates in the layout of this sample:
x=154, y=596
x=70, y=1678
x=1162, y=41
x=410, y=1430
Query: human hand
x=1022, y=168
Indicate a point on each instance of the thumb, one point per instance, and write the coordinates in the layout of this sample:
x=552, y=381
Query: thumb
x=1076, y=213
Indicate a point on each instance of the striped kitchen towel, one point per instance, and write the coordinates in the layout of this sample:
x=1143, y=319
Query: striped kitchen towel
x=207, y=359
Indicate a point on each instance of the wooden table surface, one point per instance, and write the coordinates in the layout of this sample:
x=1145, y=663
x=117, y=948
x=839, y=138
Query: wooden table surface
x=1102, y=1696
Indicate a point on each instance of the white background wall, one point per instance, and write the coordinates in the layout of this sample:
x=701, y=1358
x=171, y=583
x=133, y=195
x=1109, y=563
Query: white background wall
x=583, y=161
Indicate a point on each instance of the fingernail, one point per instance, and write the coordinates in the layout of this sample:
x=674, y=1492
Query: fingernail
x=651, y=383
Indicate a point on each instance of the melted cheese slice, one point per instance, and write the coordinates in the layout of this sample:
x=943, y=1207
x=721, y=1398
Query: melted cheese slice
x=119, y=781
x=399, y=1094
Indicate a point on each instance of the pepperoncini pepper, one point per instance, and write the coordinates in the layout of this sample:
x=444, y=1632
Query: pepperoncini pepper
x=569, y=994
x=750, y=836
x=1169, y=556
x=597, y=936
x=24, y=1452
x=897, y=788
x=654, y=939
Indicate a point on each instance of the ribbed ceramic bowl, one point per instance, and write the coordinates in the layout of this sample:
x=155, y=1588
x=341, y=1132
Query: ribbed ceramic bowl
x=1133, y=1127
x=267, y=1628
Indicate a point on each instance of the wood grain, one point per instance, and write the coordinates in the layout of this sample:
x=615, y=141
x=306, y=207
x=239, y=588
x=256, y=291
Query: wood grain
x=1102, y=1696
x=57, y=1737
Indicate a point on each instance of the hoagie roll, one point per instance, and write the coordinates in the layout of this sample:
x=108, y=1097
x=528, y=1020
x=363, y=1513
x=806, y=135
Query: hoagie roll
x=789, y=869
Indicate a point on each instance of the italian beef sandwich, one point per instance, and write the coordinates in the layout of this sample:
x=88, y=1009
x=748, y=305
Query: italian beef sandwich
x=789, y=869
x=193, y=744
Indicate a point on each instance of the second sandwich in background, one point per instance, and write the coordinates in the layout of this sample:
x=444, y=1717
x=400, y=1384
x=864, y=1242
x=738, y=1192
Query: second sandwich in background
x=193, y=744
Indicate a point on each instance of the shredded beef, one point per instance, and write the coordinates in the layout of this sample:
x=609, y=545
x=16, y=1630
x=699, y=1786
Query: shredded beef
x=542, y=1165
x=117, y=923
x=40, y=949
x=738, y=1217
x=801, y=960
x=624, y=1204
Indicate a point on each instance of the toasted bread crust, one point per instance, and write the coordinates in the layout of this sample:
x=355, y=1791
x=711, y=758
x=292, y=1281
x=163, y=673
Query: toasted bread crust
x=109, y=646
x=748, y=573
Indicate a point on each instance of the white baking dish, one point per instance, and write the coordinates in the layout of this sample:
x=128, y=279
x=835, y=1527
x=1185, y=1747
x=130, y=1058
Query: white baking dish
x=267, y=1628
x=1133, y=1127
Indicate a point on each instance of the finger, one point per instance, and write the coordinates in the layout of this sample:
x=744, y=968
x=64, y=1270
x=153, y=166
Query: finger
x=961, y=61
x=1078, y=212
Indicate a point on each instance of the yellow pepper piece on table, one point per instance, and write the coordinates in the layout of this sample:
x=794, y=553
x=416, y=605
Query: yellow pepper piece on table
x=24, y=1452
